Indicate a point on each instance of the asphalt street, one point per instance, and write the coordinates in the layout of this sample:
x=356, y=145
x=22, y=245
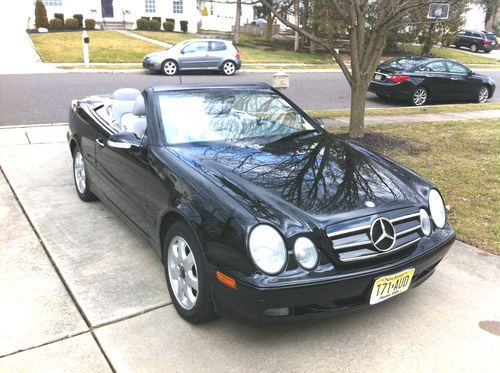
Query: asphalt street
x=45, y=98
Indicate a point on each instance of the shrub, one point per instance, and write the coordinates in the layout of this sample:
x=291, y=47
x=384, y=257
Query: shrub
x=170, y=20
x=55, y=24
x=79, y=17
x=59, y=16
x=157, y=19
x=142, y=24
x=146, y=18
x=168, y=26
x=72, y=23
x=154, y=25
x=41, y=19
x=184, y=26
x=90, y=24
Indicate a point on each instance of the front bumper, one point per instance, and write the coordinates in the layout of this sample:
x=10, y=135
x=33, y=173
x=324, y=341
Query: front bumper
x=151, y=65
x=338, y=291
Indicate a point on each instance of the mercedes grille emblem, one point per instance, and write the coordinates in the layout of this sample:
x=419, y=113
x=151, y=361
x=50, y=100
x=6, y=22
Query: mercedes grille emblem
x=382, y=234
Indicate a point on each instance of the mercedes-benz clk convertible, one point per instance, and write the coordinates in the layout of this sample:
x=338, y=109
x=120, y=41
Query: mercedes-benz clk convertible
x=256, y=211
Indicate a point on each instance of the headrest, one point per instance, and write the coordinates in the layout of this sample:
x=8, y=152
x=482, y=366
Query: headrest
x=125, y=94
x=139, y=106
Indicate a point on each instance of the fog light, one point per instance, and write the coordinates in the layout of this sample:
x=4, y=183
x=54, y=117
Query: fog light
x=425, y=221
x=277, y=311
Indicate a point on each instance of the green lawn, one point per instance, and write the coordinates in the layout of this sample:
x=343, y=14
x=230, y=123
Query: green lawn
x=105, y=46
x=463, y=160
x=465, y=58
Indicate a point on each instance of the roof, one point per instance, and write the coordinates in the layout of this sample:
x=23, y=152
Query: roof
x=181, y=87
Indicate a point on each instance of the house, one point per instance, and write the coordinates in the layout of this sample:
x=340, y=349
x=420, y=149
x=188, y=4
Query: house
x=219, y=16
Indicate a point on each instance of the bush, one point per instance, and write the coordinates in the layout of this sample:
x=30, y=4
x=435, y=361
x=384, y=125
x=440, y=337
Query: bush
x=184, y=26
x=41, y=19
x=79, y=17
x=142, y=24
x=72, y=23
x=55, y=24
x=168, y=26
x=146, y=18
x=90, y=24
x=157, y=19
x=170, y=20
x=154, y=25
x=59, y=16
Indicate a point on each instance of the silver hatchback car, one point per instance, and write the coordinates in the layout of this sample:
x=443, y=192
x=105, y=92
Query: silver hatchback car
x=195, y=54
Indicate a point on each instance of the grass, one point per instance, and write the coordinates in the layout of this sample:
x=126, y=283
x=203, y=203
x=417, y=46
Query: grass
x=450, y=108
x=105, y=46
x=465, y=58
x=462, y=158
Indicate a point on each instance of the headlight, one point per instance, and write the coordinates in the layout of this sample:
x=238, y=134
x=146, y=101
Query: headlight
x=438, y=211
x=267, y=249
x=306, y=253
x=425, y=221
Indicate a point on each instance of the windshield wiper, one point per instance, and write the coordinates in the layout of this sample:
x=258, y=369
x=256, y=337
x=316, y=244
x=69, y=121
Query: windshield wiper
x=294, y=135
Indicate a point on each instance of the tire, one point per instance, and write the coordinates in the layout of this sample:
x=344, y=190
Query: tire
x=228, y=68
x=473, y=48
x=380, y=95
x=80, y=177
x=186, y=274
x=486, y=51
x=483, y=94
x=419, y=97
x=169, y=67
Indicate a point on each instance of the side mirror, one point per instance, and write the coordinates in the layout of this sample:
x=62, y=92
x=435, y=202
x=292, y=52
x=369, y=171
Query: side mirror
x=124, y=140
x=470, y=72
x=319, y=122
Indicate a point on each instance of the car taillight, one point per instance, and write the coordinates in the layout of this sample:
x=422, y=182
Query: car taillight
x=487, y=41
x=237, y=54
x=399, y=78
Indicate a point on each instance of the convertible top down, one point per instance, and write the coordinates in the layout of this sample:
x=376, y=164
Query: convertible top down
x=255, y=210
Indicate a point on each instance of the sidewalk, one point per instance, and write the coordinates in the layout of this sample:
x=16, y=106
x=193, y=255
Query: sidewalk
x=81, y=292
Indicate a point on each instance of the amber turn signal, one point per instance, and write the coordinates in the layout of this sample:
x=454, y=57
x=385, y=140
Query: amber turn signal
x=226, y=280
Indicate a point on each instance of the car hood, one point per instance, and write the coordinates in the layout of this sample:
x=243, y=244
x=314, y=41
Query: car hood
x=160, y=55
x=313, y=178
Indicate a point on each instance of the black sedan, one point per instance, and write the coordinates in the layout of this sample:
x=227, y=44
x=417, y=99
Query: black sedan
x=419, y=80
x=255, y=210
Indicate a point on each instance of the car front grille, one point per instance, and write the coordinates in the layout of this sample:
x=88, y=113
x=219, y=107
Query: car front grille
x=351, y=240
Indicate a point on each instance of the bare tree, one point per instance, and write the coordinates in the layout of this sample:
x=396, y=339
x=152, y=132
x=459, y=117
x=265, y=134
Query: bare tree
x=368, y=23
x=237, y=23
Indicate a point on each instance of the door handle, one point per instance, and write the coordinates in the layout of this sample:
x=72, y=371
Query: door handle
x=454, y=78
x=100, y=143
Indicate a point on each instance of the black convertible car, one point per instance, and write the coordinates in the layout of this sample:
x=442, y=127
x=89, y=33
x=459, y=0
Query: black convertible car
x=255, y=210
x=418, y=80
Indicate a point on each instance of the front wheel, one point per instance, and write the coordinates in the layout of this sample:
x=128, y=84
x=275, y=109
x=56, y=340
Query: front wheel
x=483, y=95
x=169, y=68
x=186, y=274
x=229, y=68
x=80, y=177
x=419, y=97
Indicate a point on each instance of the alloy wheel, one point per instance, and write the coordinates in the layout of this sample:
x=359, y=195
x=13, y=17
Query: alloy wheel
x=79, y=170
x=483, y=95
x=170, y=68
x=473, y=48
x=229, y=68
x=420, y=97
x=182, y=272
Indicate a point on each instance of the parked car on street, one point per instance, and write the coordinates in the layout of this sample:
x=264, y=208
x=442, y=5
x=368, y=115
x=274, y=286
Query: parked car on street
x=195, y=54
x=476, y=40
x=418, y=80
x=256, y=211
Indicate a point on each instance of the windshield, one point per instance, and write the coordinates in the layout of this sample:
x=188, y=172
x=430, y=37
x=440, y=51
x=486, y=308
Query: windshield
x=403, y=63
x=227, y=114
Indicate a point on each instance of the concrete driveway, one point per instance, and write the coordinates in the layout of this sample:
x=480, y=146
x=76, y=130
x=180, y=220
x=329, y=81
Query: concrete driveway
x=80, y=292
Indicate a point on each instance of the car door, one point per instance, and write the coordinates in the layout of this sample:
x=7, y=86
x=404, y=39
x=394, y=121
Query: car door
x=122, y=174
x=194, y=56
x=436, y=79
x=463, y=84
x=217, y=53
x=460, y=39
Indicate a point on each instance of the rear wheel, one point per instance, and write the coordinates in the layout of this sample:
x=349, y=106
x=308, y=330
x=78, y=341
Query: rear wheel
x=229, y=68
x=186, y=274
x=379, y=95
x=80, y=177
x=169, y=67
x=483, y=94
x=473, y=48
x=419, y=97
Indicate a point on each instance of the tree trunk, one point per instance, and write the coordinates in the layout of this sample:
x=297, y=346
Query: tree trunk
x=296, y=46
x=312, y=47
x=269, y=26
x=236, y=36
x=489, y=22
x=357, y=118
x=427, y=45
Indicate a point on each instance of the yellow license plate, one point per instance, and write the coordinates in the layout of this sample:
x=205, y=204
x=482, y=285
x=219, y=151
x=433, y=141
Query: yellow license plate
x=388, y=286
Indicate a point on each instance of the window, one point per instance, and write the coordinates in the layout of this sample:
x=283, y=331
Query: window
x=457, y=68
x=52, y=2
x=476, y=35
x=150, y=6
x=217, y=46
x=436, y=67
x=201, y=46
x=178, y=6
